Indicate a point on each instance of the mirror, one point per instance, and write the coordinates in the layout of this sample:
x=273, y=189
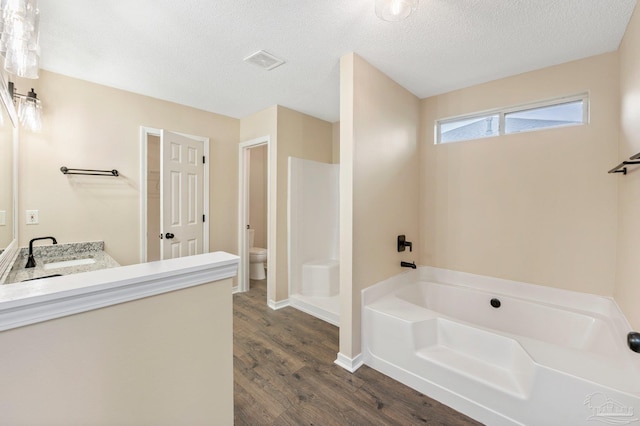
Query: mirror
x=8, y=176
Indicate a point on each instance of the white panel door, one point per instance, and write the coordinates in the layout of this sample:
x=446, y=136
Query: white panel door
x=181, y=195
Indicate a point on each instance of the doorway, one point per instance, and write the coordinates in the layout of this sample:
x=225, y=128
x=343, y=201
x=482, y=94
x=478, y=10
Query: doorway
x=261, y=226
x=174, y=194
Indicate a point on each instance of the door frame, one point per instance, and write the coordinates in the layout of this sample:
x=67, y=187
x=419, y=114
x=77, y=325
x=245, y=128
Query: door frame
x=145, y=132
x=243, y=214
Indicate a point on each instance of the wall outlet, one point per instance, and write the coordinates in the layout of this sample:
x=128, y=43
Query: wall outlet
x=32, y=217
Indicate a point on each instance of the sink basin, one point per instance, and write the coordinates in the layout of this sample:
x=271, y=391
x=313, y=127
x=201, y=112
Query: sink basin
x=67, y=263
x=40, y=278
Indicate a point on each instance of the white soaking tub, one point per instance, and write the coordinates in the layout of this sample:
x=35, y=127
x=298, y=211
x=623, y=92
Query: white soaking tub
x=503, y=352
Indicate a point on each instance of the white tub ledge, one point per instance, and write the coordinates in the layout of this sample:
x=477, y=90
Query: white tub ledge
x=46, y=299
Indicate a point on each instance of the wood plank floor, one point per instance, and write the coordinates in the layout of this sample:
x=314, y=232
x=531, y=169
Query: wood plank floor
x=284, y=375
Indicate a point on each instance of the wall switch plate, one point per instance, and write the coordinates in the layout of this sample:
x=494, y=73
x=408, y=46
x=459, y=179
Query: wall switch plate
x=3, y=217
x=32, y=217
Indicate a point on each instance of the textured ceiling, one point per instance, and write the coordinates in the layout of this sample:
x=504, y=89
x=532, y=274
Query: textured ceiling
x=191, y=51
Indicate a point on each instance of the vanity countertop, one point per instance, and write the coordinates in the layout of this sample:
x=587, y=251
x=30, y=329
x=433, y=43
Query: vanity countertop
x=87, y=256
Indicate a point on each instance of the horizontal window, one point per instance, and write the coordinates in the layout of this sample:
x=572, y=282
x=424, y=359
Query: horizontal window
x=567, y=111
x=564, y=114
x=470, y=128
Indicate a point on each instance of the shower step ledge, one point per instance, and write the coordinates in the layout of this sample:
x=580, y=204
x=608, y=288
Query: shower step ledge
x=474, y=368
x=401, y=310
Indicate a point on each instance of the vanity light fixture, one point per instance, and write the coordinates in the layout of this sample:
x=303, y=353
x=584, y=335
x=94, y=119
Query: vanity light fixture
x=29, y=108
x=19, y=44
x=395, y=10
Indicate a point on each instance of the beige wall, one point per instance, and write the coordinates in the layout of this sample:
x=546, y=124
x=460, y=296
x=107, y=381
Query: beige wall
x=262, y=123
x=265, y=124
x=336, y=143
x=86, y=125
x=379, y=185
x=350, y=345
x=258, y=194
x=627, y=291
x=141, y=362
x=292, y=134
x=537, y=207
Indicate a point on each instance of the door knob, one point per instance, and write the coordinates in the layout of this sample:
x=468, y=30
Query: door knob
x=169, y=235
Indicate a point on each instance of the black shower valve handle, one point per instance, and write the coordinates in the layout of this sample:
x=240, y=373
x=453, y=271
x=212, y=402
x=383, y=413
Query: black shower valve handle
x=403, y=243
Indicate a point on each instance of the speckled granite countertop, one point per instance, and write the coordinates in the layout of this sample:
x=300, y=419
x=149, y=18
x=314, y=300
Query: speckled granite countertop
x=53, y=253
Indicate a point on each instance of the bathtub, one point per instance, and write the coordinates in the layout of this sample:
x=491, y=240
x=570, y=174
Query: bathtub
x=503, y=352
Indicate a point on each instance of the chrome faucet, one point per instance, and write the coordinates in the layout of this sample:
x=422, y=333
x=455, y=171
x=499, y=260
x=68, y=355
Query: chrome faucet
x=31, y=262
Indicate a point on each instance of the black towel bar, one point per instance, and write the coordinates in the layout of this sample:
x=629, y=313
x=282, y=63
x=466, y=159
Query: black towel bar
x=87, y=172
x=621, y=168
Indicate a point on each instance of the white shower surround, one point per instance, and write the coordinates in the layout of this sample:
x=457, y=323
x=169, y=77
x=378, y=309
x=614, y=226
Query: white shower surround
x=314, y=235
x=545, y=356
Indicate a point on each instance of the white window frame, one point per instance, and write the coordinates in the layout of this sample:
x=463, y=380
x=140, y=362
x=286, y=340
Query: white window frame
x=502, y=112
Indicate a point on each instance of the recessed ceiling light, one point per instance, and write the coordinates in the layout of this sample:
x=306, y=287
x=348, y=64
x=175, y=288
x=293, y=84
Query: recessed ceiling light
x=264, y=60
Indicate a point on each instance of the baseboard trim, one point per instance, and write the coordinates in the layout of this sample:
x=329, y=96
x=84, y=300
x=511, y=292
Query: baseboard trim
x=349, y=364
x=278, y=305
x=308, y=308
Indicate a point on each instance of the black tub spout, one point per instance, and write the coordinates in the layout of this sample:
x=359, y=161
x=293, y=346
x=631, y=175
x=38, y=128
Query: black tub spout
x=633, y=340
x=411, y=265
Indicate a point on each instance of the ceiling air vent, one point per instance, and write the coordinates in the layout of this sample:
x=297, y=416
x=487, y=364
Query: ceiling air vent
x=264, y=60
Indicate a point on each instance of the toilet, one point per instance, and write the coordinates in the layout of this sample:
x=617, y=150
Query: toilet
x=257, y=259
